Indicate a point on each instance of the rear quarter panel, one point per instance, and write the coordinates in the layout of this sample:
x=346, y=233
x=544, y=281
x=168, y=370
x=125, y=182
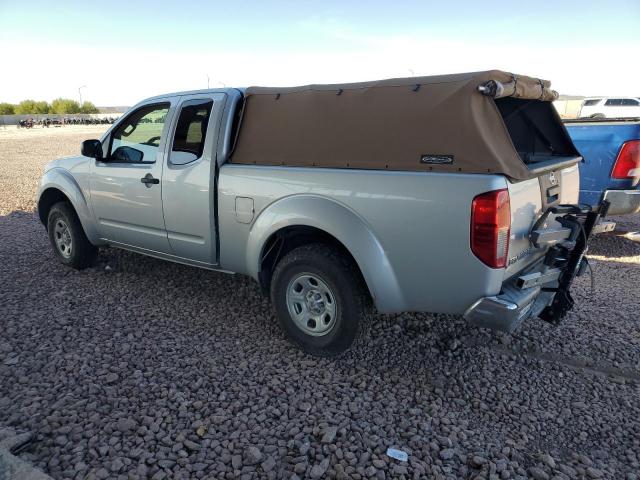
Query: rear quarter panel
x=420, y=220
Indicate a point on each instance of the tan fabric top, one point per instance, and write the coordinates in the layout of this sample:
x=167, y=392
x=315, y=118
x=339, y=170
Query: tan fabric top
x=447, y=123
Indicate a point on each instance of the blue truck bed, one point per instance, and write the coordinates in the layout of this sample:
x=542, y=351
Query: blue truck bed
x=599, y=142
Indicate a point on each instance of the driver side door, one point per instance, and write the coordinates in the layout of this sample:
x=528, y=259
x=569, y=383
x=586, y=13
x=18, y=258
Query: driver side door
x=126, y=185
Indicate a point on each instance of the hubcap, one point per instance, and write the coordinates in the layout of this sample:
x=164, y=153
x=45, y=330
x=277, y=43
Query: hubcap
x=62, y=236
x=311, y=304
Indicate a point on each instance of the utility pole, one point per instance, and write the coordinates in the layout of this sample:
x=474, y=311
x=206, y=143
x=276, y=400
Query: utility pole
x=80, y=93
x=207, y=81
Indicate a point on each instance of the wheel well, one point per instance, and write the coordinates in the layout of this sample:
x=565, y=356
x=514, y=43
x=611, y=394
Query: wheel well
x=286, y=239
x=48, y=199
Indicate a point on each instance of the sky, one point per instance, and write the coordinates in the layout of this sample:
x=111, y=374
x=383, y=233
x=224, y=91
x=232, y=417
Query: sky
x=121, y=52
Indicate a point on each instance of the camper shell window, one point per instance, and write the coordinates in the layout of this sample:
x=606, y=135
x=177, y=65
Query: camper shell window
x=535, y=129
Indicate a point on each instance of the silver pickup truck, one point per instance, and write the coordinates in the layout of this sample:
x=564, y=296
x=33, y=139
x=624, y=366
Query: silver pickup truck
x=453, y=194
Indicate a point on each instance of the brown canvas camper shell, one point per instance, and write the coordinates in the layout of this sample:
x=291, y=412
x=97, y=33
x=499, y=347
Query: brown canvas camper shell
x=483, y=122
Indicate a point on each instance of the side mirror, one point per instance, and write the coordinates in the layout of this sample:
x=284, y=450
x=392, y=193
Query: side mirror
x=92, y=149
x=126, y=154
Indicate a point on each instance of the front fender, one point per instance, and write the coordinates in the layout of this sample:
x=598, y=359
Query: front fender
x=342, y=223
x=62, y=180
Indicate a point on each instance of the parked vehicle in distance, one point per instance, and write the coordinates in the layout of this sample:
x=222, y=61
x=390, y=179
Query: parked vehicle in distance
x=611, y=168
x=461, y=198
x=610, y=107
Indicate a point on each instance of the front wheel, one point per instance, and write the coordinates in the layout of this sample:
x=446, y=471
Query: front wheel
x=67, y=237
x=320, y=299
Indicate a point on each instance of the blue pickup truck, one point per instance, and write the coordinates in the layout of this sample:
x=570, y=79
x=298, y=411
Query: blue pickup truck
x=611, y=168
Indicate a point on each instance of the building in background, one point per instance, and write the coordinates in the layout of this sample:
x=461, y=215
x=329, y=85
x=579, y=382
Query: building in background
x=568, y=106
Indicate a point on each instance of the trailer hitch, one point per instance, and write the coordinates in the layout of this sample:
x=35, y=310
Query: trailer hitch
x=569, y=255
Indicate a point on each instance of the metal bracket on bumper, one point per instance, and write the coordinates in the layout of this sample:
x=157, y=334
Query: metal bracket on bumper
x=583, y=225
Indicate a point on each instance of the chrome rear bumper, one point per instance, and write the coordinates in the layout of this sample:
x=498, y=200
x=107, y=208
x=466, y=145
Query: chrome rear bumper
x=506, y=311
x=622, y=201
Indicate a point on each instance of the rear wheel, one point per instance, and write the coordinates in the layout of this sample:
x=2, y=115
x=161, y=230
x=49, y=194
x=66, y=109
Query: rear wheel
x=319, y=299
x=597, y=115
x=67, y=237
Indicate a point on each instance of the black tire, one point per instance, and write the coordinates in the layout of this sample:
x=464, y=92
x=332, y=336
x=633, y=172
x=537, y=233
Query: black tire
x=597, y=115
x=78, y=252
x=351, y=303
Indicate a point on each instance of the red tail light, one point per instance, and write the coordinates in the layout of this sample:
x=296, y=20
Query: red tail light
x=627, y=164
x=490, y=227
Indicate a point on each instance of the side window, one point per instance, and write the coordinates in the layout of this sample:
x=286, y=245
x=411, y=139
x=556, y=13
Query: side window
x=614, y=102
x=191, y=130
x=592, y=102
x=137, y=138
x=630, y=102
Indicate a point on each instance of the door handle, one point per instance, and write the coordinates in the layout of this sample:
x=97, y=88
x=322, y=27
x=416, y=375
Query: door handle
x=148, y=180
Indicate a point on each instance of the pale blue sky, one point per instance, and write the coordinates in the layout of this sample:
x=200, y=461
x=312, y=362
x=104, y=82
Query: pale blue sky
x=124, y=51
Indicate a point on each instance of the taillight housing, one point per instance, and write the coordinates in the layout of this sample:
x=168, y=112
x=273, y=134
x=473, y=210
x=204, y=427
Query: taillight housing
x=491, y=227
x=627, y=166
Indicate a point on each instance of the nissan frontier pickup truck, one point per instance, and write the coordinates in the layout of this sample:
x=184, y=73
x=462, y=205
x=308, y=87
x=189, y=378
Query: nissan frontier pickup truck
x=454, y=194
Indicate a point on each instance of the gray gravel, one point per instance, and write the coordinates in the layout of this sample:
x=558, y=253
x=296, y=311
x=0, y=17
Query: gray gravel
x=147, y=369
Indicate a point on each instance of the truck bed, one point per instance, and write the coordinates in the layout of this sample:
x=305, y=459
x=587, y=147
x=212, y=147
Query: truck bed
x=420, y=219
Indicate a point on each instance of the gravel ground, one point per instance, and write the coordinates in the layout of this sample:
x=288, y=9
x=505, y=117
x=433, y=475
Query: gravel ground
x=143, y=369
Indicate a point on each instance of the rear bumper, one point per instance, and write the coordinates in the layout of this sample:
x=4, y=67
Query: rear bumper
x=543, y=289
x=623, y=201
x=505, y=312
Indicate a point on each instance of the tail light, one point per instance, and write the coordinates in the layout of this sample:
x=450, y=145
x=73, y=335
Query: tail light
x=490, y=227
x=627, y=164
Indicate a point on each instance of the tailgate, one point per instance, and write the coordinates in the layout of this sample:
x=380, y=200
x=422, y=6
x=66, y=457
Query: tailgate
x=544, y=145
x=529, y=199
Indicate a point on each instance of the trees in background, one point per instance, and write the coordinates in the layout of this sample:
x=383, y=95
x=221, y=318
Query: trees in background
x=58, y=106
x=7, y=109
x=31, y=106
x=64, y=105
x=88, y=107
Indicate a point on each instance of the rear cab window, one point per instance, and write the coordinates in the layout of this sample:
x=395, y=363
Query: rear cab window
x=591, y=102
x=191, y=130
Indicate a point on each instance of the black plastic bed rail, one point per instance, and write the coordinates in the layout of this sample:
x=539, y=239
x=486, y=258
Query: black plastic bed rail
x=569, y=255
